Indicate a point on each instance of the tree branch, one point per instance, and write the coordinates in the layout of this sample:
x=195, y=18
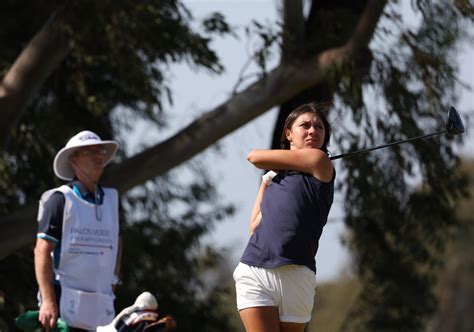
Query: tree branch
x=366, y=26
x=41, y=56
x=281, y=84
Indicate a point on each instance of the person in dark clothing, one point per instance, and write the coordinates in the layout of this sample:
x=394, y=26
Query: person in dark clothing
x=275, y=279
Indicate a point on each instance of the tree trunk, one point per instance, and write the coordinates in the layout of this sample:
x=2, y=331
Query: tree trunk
x=41, y=56
x=280, y=85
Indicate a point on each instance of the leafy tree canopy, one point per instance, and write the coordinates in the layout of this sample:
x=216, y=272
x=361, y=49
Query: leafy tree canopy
x=118, y=57
x=388, y=81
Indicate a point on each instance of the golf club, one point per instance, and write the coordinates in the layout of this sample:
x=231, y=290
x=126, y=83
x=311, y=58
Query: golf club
x=454, y=126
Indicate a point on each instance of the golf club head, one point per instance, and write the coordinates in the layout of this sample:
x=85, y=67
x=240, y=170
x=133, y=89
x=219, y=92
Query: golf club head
x=454, y=125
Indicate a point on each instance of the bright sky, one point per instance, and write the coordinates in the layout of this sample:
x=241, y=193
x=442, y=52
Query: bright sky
x=237, y=181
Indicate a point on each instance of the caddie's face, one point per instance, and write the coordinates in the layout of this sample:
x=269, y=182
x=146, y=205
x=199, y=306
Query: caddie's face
x=89, y=160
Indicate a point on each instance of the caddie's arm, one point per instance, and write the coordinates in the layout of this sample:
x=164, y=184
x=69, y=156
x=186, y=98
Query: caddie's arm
x=48, y=313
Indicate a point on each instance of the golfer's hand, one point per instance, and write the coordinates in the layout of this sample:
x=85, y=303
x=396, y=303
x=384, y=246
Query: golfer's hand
x=48, y=314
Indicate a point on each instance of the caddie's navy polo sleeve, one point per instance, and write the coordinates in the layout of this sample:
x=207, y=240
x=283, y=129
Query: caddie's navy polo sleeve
x=51, y=223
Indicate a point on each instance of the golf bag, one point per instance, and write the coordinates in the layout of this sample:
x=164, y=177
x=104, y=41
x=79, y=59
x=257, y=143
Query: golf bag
x=142, y=316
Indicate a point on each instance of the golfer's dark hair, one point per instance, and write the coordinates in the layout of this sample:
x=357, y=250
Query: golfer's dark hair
x=318, y=109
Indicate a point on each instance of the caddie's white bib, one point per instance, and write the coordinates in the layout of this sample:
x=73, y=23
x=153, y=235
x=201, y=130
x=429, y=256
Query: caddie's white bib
x=87, y=258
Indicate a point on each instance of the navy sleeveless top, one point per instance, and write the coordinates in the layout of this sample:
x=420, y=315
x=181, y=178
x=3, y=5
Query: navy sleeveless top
x=295, y=208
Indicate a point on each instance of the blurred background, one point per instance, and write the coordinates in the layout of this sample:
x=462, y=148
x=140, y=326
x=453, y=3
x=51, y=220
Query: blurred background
x=185, y=81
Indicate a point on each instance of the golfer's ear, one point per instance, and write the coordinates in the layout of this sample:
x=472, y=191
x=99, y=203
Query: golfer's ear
x=288, y=134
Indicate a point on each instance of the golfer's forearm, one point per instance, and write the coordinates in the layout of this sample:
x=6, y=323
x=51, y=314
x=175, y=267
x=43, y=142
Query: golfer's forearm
x=254, y=223
x=258, y=200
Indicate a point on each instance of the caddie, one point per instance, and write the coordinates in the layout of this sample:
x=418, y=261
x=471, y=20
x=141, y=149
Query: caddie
x=77, y=252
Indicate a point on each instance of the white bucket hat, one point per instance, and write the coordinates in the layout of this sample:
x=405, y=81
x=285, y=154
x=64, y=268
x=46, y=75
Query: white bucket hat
x=61, y=165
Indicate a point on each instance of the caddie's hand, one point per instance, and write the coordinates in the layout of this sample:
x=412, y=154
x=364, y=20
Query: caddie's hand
x=48, y=314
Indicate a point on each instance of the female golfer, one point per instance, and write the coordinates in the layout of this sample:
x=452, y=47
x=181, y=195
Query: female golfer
x=275, y=279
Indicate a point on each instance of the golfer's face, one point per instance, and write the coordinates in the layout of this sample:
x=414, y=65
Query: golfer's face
x=90, y=160
x=307, y=132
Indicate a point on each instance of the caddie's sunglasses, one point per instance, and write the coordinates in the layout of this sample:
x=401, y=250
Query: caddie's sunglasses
x=91, y=152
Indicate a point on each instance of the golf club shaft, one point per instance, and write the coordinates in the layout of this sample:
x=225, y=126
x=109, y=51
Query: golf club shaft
x=350, y=154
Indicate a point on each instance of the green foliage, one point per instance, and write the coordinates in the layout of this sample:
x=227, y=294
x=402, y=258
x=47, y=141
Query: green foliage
x=400, y=201
x=268, y=36
x=164, y=254
x=18, y=287
x=119, y=53
x=332, y=302
x=455, y=289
